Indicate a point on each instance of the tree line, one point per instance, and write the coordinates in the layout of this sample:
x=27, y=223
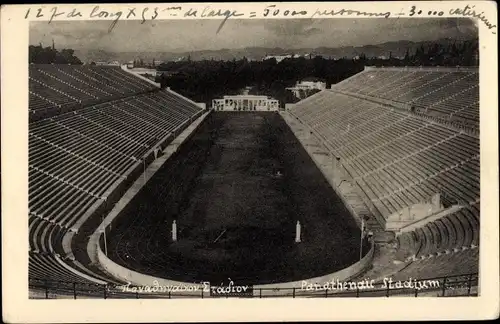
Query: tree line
x=205, y=80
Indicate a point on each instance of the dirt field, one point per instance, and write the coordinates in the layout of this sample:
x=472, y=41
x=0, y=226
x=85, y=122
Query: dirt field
x=236, y=191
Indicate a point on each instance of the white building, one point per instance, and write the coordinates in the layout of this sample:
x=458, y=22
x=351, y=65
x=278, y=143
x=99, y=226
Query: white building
x=246, y=103
x=278, y=58
x=306, y=86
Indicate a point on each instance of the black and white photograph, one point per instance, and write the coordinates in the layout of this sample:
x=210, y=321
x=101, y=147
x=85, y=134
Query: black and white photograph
x=231, y=153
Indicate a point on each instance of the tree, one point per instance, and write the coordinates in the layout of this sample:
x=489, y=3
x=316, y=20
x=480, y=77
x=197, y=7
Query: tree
x=49, y=55
x=407, y=56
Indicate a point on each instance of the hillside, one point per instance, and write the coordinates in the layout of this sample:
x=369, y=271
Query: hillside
x=398, y=49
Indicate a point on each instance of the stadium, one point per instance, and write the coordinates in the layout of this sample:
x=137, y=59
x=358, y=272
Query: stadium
x=130, y=183
x=233, y=176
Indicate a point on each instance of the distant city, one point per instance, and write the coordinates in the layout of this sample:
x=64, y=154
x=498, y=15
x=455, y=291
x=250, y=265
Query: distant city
x=145, y=59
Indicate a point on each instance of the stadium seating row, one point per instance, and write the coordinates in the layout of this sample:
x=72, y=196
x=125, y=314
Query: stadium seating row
x=450, y=233
x=461, y=262
x=45, y=259
x=52, y=86
x=43, y=265
x=452, y=93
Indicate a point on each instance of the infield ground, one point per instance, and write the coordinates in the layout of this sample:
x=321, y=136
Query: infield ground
x=236, y=190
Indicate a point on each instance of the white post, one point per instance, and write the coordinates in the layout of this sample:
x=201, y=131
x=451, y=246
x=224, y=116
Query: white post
x=297, y=232
x=174, y=231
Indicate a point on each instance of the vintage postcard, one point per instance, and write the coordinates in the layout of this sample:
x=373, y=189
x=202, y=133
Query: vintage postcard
x=249, y=161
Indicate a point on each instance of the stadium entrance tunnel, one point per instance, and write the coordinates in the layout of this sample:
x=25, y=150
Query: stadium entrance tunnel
x=236, y=190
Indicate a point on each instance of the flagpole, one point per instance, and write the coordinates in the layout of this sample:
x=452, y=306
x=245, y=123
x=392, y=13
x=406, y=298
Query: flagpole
x=361, y=238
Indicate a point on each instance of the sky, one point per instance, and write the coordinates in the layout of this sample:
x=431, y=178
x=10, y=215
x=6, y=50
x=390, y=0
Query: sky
x=194, y=35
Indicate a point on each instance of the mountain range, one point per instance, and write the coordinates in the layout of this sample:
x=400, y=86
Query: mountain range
x=396, y=48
